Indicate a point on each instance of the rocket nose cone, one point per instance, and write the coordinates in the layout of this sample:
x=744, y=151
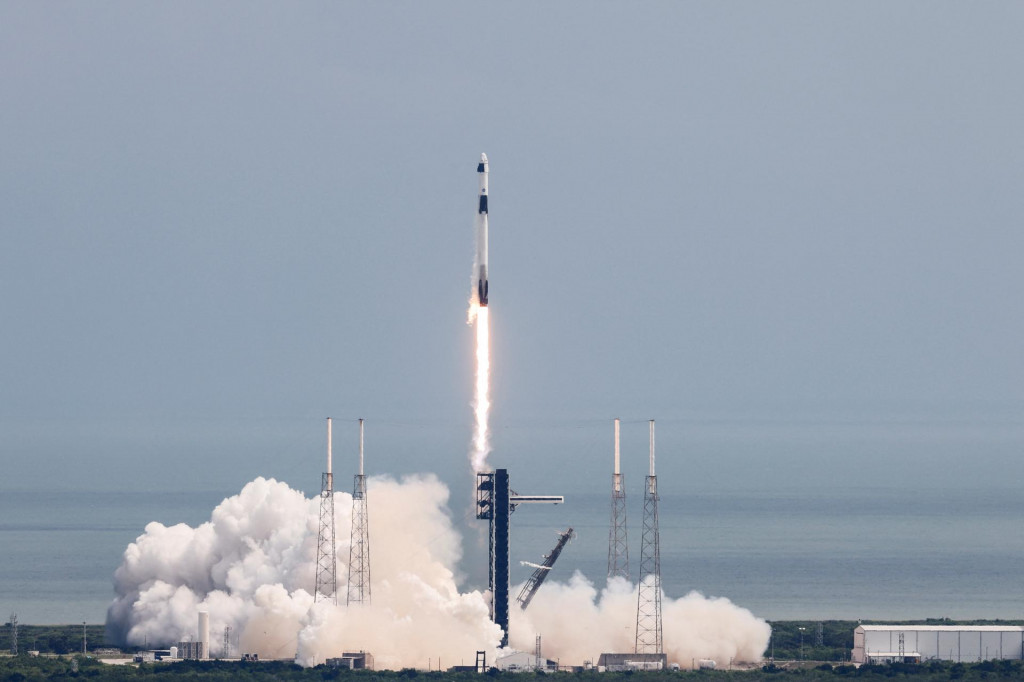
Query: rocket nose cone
x=483, y=158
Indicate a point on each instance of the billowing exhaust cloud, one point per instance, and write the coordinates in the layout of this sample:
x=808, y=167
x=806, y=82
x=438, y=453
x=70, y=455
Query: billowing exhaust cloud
x=252, y=567
x=577, y=623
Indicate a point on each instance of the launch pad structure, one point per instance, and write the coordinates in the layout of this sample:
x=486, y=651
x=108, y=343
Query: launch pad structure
x=495, y=502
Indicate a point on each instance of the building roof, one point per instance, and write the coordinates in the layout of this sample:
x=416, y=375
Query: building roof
x=620, y=659
x=942, y=628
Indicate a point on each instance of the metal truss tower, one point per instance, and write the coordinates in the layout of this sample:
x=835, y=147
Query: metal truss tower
x=326, y=551
x=541, y=574
x=618, y=548
x=227, y=642
x=359, y=550
x=14, y=634
x=495, y=502
x=648, y=608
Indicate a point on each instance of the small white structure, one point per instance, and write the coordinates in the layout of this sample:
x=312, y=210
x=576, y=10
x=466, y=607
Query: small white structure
x=522, y=662
x=882, y=643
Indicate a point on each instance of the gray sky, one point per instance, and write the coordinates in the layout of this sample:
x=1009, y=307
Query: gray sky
x=788, y=231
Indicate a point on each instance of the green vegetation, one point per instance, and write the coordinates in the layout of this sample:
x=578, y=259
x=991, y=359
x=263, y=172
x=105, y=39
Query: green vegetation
x=52, y=639
x=32, y=668
x=792, y=664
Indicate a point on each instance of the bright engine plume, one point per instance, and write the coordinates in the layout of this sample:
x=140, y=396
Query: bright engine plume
x=479, y=316
x=481, y=398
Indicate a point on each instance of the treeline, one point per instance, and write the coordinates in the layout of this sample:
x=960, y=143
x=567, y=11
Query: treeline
x=53, y=639
x=24, y=668
x=794, y=640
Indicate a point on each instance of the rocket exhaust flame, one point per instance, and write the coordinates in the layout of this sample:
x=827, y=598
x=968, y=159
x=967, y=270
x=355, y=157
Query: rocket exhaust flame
x=481, y=395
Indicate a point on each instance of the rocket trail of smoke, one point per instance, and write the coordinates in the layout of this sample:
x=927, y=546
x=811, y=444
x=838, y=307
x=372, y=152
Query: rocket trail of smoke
x=481, y=398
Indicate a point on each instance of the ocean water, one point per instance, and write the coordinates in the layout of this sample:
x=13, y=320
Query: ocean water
x=866, y=553
x=786, y=552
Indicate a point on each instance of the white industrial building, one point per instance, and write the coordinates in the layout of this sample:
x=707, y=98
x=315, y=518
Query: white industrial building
x=915, y=643
x=522, y=662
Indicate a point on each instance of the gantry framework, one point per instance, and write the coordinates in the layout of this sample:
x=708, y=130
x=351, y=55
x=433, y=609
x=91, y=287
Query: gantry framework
x=495, y=502
x=541, y=572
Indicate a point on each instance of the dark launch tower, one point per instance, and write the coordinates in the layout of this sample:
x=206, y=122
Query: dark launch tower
x=495, y=502
x=492, y=493
x=326, y=562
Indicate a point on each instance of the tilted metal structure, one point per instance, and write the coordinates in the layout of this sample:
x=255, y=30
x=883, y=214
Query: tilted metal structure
x=541, y=574
x=648, y=609
x=618, y=547
x=359, y=550
x=326, y=552
x=495, y=502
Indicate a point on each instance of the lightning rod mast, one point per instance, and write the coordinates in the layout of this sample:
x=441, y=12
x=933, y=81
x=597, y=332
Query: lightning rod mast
x=326, y=554
x=359, y=549
x=648, y=610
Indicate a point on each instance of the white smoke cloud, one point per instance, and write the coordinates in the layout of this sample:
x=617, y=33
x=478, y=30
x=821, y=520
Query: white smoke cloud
x=252, y=567
x=574, y=620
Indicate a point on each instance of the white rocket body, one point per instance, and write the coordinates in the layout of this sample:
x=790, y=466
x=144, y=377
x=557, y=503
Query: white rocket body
x=483, y=170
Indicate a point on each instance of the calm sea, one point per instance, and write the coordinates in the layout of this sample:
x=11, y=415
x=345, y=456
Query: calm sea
x=785, y=553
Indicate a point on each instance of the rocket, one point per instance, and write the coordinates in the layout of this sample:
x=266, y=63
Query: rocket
x=482, y=171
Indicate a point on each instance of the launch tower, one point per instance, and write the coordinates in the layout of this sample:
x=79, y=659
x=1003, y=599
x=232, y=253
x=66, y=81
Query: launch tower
x=495, y=502
x=648, y=609
x=618, y=548
x=359, y=550
x=326, y=561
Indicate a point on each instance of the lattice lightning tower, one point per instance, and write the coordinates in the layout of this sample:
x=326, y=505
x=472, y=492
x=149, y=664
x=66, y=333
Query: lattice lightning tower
x=14, y=634
x=648, y=609
x=359, y=550
x=326, y=553
x=618, y=548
